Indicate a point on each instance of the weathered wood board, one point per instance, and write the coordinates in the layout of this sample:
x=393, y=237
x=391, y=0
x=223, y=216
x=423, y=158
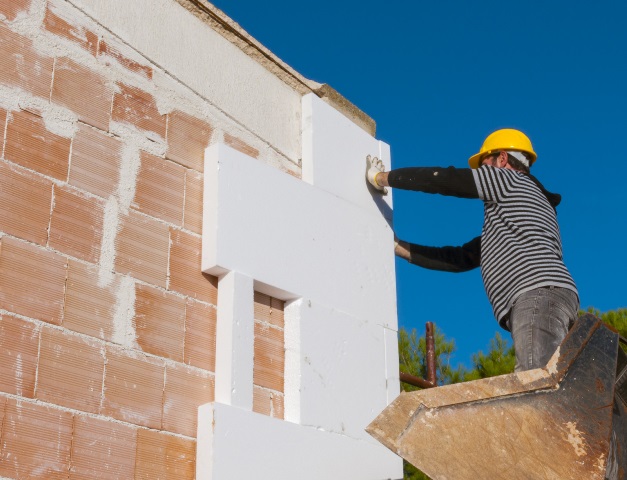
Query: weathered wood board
x=549, y=423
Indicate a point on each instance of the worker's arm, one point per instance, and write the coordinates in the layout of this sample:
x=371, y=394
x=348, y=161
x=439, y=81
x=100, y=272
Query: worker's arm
x=448, y=259
x=456, y=182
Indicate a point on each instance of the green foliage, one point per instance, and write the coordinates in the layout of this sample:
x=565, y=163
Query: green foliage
x=615, y=318
x=500, y=359
x=412, y=351
x=412, y=473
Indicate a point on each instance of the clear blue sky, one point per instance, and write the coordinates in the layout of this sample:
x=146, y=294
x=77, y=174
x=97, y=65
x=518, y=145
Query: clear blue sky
x=437, y=77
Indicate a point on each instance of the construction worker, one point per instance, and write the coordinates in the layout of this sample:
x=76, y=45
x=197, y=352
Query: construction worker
x=519, y=251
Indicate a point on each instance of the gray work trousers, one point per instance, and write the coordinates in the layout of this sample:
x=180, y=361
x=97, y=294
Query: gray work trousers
x=539, y=320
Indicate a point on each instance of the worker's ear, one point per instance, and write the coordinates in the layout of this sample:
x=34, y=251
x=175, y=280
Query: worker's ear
x=501, y=160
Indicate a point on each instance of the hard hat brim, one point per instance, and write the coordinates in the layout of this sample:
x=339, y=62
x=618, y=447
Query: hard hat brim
x=475, y=159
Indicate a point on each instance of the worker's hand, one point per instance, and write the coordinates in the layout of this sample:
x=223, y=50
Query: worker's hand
x=374, y=166
x=401, y=248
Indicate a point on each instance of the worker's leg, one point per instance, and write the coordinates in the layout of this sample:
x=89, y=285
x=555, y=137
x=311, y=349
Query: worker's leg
x=539, y=321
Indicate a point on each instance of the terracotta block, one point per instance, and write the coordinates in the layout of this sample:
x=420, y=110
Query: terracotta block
x=102, y=449
x=134, y=106
x=160, y=189
x=89, y=308
x=240, y=145
x=56, y=24
x=105, y=48
x=268, y=402
x=200, y=335
x=25, y=202
x=188, y=137
x=95, y=164
x=70, y=371
x=32, y=281
x=160, y=455
x=269, y=309
x=186, y=389
x=3, y=403
x=11, y=8
x=269, y=364
x=185, y=274
x=21, y=66
x=19, y=347
x=133, y=388
x=159, y=322
x=192, y=219
x=142, y=248
x=84, y=92
x=32, y=146
x=36, y=441
x=3, y=124
x=76, y=224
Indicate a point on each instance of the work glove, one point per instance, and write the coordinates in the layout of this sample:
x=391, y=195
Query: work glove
x=375, y=166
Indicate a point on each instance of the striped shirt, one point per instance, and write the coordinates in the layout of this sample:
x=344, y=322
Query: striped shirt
x=521, y=248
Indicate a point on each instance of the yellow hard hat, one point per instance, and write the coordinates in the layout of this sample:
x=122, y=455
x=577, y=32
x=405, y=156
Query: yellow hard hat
x=504, y=139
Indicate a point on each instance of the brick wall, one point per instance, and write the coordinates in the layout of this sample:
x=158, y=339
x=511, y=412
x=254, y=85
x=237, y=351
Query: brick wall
x=107, y=325
x=269, y=356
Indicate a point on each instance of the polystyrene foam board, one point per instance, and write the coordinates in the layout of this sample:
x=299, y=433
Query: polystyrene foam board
x=235, y=336
x=284, y=232
x=392, y=375
x=343, y=376
x=233, y=443
x=334, y=156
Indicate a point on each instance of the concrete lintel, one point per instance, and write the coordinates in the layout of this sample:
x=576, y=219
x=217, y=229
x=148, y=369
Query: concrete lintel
x=233, y=32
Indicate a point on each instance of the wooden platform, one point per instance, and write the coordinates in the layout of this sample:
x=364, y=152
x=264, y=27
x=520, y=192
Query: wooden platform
x=550, y=423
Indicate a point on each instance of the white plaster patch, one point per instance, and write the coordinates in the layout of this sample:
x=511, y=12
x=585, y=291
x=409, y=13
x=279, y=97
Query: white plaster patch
x=551, y=367
x=575, y=439
x=58, y=120
x=49, y=44
x=27, y=23
x=62, y=11
x=139, y=139
x=129, y=168
x=110, y=227
x=124, y=313
x=167, y=101
x=19, y=374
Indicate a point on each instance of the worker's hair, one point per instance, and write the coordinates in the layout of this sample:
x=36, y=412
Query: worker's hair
x=517, y=164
